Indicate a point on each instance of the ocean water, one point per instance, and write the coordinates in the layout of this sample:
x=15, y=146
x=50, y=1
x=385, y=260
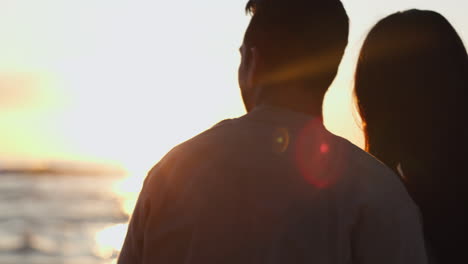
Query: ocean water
x=62, y=219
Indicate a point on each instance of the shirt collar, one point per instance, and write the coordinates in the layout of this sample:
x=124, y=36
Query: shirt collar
x=277, y=115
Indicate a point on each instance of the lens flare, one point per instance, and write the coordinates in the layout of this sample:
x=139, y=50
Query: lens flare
x=280, y=140
x=319, y=162
x=324, y=148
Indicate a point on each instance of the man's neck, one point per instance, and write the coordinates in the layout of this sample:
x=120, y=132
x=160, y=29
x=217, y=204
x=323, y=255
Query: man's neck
x=293, y=98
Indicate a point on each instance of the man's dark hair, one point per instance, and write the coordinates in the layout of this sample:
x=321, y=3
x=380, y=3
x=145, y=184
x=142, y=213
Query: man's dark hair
x=298, y=39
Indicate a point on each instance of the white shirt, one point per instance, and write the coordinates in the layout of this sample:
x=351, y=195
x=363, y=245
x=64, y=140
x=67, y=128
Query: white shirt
x=273, y=187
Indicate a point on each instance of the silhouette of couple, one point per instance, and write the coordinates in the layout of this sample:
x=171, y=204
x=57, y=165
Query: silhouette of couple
x=274, y=186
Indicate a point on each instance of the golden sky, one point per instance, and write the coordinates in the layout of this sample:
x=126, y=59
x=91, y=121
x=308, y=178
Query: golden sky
x=124, y=81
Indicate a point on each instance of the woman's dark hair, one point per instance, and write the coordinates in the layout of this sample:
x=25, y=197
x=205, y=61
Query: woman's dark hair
x=411, y=88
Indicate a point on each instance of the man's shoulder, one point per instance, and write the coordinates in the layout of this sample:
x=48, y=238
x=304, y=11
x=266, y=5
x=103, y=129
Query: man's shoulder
x=207, y=138
x=373, y=179
x=198, y=155
x=349, y=155
x=363, y=162
x=201, y=145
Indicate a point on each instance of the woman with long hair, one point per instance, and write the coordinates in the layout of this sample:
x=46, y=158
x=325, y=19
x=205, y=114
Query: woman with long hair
x=411, y=87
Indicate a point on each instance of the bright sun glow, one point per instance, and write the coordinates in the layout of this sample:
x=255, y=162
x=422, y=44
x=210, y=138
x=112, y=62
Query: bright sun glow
x=116, y=81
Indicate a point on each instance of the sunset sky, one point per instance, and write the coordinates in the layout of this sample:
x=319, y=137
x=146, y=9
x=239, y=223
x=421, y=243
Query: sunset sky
x=123, y=81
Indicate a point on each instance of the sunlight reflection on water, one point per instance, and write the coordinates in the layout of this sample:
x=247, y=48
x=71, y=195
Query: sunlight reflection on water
x=110, y=239
x=65, y=219
x=128, y=189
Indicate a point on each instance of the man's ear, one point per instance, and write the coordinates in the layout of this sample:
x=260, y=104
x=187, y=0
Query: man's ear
x=254, y=67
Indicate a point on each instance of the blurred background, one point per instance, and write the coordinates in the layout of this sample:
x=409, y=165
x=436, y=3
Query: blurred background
x=94, y=92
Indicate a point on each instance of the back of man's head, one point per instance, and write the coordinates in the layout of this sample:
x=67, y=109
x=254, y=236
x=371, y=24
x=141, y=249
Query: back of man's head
x=298, y=40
